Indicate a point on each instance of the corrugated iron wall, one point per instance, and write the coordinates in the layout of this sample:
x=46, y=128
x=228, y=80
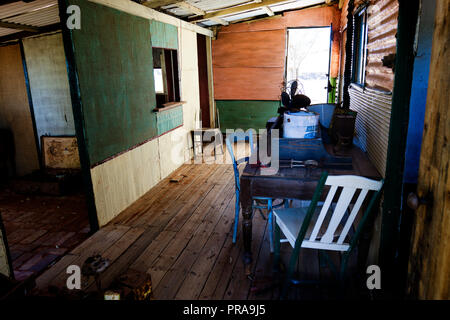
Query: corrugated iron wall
x=372, y=122
x=373, y=102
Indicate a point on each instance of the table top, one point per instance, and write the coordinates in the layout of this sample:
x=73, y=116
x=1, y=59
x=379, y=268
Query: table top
x=360, y=165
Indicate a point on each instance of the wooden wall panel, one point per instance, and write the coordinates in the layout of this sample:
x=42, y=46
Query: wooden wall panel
x=120, y=181
x=250, y=49
x=248, y=83
x=47, y=72
x=15, y=110
x=115, y=70
x=249, y=57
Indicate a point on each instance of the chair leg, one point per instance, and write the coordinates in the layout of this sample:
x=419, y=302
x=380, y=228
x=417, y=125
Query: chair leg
x=269, y=208
x=276, y=258
x=236, y=217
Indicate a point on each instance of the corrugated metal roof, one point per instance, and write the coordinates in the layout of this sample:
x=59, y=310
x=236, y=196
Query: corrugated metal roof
x=38, y=13
x=5, y=31
x=38, y=18
x=41, y=13
x=16, y=8
x=210, y=6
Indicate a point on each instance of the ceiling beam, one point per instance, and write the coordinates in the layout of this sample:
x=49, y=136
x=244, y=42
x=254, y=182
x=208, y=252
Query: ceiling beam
x=23, y=34
x=268, y=11
x=191, y=8
x=18, y=26
x=235, y=10
x=220, y=21
x=158, y=3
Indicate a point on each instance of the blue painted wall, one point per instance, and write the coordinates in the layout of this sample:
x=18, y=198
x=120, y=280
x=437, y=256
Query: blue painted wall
x=419, y=91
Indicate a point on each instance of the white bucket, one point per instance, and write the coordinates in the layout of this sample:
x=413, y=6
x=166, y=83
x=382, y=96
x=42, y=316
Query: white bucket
x=300, y=125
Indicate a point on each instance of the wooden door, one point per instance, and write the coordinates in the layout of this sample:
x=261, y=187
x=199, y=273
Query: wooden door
x=203, y=80
x=429, y=262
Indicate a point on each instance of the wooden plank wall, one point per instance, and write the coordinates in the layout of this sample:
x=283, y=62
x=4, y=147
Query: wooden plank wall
x=249, y=57
x=15, y=110
x=49, y=85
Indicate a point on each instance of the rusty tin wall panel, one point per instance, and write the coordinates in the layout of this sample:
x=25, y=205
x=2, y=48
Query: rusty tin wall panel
x=381, y=40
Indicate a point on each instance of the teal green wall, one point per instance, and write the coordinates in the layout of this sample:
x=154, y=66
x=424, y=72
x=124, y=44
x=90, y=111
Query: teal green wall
x=240, y=114
x=164, y=35
x=169, y=119
x=113, y=56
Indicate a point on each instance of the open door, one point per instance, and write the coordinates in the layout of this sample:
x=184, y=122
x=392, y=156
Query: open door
x=308, y=61
x=429, y=262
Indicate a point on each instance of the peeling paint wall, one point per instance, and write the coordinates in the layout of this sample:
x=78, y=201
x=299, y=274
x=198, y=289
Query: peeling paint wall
x=121, y=180
x=49, y=85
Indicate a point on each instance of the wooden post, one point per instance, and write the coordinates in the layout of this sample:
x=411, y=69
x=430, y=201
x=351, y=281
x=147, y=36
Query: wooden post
x=407, y=21
x=429, y=262
x=75, y=96
x=348, y=55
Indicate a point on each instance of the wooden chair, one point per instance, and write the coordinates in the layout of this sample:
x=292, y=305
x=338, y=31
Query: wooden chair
x=326, y=227
x=198, y=135
x=258, y=202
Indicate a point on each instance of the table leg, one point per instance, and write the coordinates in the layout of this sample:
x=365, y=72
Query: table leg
x=246, y=205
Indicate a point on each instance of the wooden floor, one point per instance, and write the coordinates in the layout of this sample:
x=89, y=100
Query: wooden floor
x=40, y=229
x=180, y=233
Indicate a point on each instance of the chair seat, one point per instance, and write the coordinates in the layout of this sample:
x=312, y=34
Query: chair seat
x=290, y=221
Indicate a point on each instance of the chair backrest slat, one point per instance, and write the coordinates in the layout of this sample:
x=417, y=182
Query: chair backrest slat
x=341, y=207
x=349, y=185
x=352, y=216
x=323, y=213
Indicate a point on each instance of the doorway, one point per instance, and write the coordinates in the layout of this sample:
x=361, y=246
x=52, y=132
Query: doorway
x=203, y=81
x=308, y=61
x=43, y=202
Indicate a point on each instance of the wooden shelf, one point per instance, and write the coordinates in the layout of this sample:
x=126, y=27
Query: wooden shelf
x=169, y=105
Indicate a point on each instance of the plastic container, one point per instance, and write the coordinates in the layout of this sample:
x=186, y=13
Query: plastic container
x=300, y=125
x=325, y=111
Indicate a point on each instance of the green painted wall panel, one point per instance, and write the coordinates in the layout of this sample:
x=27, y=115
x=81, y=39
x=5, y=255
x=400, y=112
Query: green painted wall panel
x=169, y=119
x=240, y=114
x=114, y=61
x=164, y=35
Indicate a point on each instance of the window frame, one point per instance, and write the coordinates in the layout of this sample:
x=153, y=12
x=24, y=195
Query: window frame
x=359, y=61
x=170, y=74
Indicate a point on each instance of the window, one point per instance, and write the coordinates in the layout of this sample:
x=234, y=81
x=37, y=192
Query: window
x=165, y=72
x=359, y=47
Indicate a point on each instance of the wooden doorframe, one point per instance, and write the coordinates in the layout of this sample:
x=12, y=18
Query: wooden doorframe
x=203, y=79
x=429, y=262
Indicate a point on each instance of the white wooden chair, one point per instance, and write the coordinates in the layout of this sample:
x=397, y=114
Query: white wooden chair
x=326, y=227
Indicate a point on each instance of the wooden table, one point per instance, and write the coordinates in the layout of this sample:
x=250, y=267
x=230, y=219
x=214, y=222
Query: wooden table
x=291, y=183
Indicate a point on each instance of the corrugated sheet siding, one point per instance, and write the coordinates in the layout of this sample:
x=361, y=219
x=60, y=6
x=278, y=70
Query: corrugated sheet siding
x=373, y=104
x=372, y=122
